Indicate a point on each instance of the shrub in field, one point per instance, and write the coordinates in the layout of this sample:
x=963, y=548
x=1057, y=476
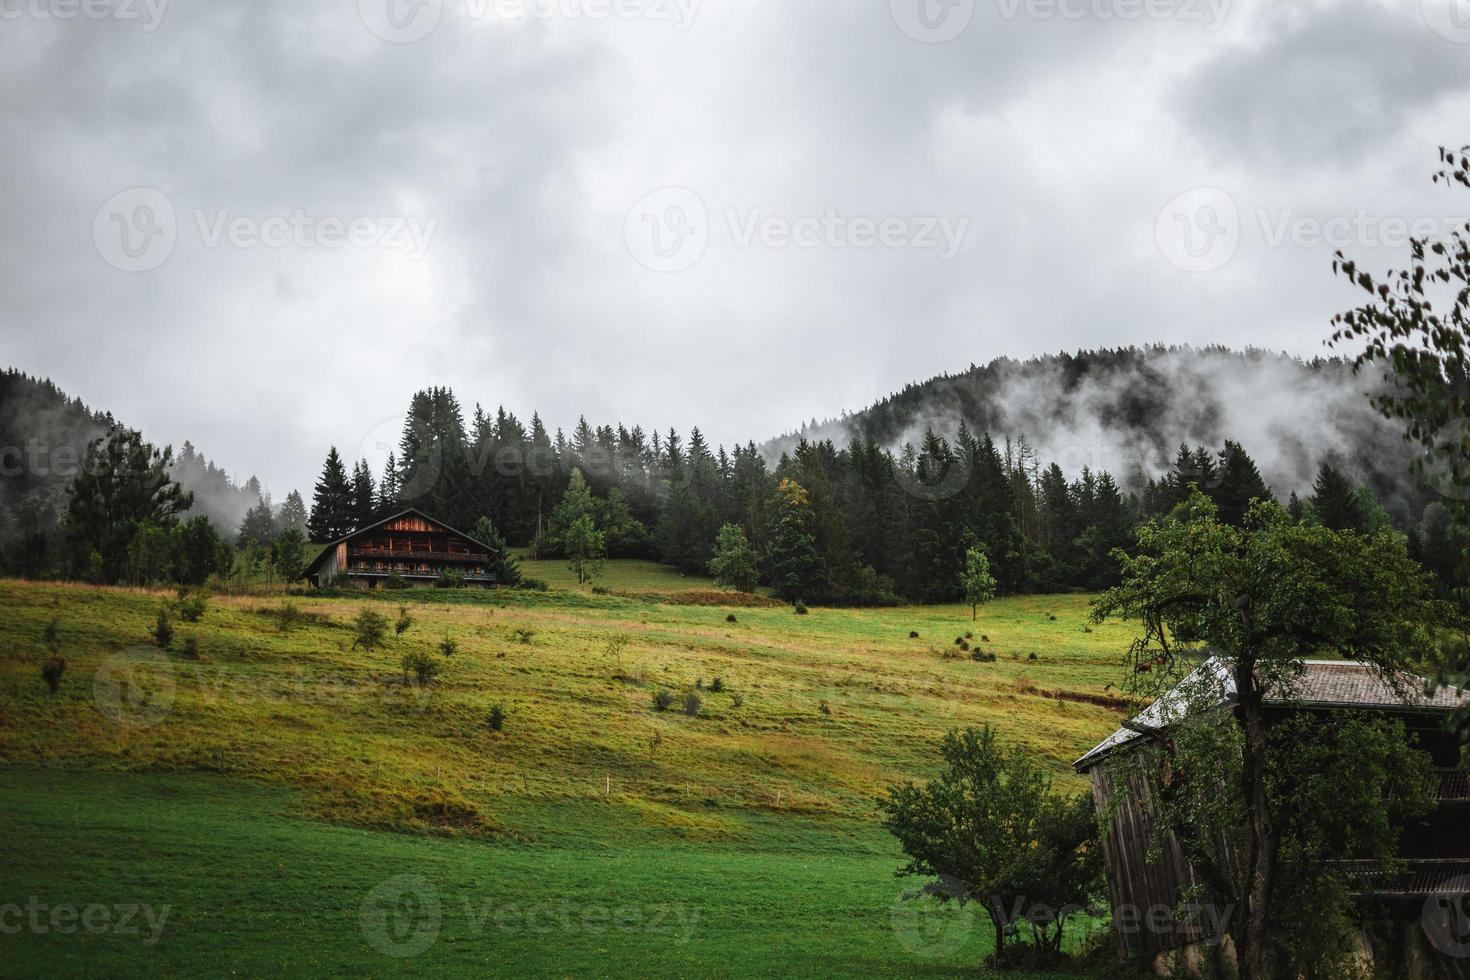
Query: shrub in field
x=395, y=581
x=824, y=707
x=525, y=635
x=163, y=630
x=371, y=628
x=190, y=649
x=496, y=719
x=717, y=685
x=192, y=606
x=52, y=669
x=533, y=585
x=601, y=590
x=51, y=635
x=731, y=618
x=983, y=657
x=800, y=608
x=692, y=704
x=913, y=634
x=738, y=700
x=448, y=646
x=662, y=699
x=405, y=621
x=1032, y=656
x=449, y=579
x=699, y=684
x=423, y=667
x=288, y=616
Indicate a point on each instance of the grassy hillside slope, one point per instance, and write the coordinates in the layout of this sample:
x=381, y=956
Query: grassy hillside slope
x=762, y=804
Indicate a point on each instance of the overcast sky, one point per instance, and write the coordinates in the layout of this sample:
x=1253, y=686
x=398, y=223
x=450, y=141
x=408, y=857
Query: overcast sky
x=261, y=226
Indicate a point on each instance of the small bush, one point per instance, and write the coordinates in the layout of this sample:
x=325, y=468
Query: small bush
x=191, y=607
x=163, y=630
x=405, y=621
x=51, y=670
x=525, y=635
x=424, y=667
x=738, y=700
x=692, y=704
x=969, y=635
x=601, y=590
x=496, y=720
x=984, y=638
x=449, y=579
x=448, y=646
x=395, y=581
x=731, y=618
x=662, y=699
x=800, y=609
x=824, y=707
x=190, y=649
x=959, y=641
x=1052, y=617
x=982, y=657
x=51, y=635
x=1032, y=656
x=371, y=628
x=1024, y=685
x=913, y=634
x=717, y=685
x=288, y=616
x=533, y=585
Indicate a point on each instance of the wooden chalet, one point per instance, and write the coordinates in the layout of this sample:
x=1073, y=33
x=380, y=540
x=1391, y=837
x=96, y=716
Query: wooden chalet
x=410, y=545
x=1435, y=859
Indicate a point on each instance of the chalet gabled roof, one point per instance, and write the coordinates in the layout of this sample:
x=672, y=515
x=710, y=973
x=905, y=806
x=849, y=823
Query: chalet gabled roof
x=407, y=512
x=1340, y=684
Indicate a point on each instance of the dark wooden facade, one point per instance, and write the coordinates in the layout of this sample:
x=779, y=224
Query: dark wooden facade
x=1147, y=892
x=410, y=545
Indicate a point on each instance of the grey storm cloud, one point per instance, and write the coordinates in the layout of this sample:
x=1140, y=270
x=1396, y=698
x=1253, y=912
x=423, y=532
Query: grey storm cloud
x=300, y=151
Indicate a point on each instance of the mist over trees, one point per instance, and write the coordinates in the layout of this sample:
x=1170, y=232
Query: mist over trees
x=855, y=524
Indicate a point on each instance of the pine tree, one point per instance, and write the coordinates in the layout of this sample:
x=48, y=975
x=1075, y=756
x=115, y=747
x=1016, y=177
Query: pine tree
x=797, y=572
x=332, y=503
x=1334, y=502
x=1239, y=483
x=292, y=515
x=364, y=495
x=259, y=525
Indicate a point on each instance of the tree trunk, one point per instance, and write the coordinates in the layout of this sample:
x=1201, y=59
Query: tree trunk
x=1260, y=856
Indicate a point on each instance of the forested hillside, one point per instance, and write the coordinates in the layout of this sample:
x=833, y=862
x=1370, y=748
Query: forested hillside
x=44, y=435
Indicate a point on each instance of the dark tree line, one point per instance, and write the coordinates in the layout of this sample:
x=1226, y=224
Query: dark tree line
x=854, y=524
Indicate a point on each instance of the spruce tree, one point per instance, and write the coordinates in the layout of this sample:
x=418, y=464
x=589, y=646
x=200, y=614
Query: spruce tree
x=797, y=572
x=1334, y=501
x=292, y=515
x=331, y=503
x=1240, y=482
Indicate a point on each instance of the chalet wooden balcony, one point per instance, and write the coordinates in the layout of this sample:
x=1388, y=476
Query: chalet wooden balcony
x=383, y=554
x=425, y=576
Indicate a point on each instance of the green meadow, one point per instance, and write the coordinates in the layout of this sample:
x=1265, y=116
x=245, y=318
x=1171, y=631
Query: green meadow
x=302, y=808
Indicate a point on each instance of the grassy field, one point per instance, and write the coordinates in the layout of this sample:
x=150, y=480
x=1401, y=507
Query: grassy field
x=265, y=789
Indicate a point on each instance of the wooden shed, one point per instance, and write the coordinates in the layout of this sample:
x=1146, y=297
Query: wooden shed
x=1147, y=893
